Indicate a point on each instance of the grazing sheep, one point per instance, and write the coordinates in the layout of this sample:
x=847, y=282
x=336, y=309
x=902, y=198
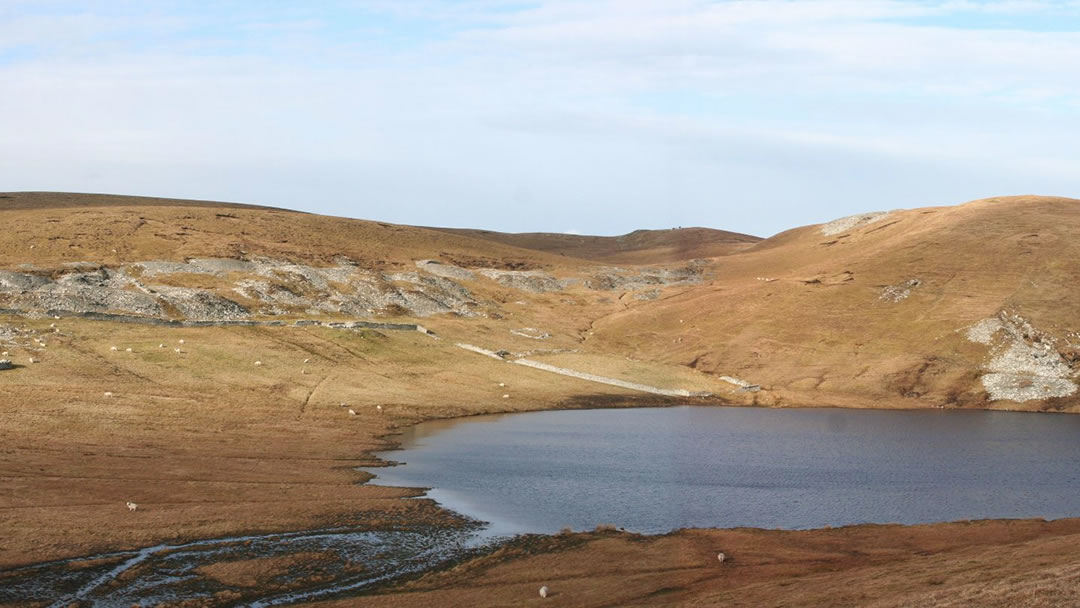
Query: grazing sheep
x=161, y=346
x=307, y=360
x=378, y=407
x=502, y=384
x=352, y=413
x=132, y=506
x=108, y=393
x=52, y=324
x=113, y=348
x=544, y=591
x=258, y=363
x=303, y=372
x=721, y=557
x=33, y=360
x=127, y=350
x=4, y=354
x=506, y=396
x=178, y=351
x=181, y=340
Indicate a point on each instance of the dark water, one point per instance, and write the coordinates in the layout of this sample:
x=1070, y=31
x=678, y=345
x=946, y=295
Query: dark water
x=657, y=469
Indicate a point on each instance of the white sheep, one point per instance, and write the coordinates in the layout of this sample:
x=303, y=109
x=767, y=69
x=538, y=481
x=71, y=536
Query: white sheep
x=113, y=349
x=161, y=346
x=378, y=407
x=351, y=412
x=502, y=384
x=721, y=557
x=108, y=393
x=307, y=360
x=544, y=591
x=178, y=351
x=181, y=340
x=33, y=360
x=303, y=372
x=127, y=350
x=132, y=506
x=506, y=396
x=258, y=363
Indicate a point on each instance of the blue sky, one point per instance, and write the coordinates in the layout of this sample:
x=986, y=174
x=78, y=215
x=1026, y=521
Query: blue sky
x=594, y=117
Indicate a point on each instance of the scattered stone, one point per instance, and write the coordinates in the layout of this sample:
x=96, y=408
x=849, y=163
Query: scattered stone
x=531, y=332
x=6, y=364
x=852, y=222
x=534, y=281
x=1024, y=362
x=447, y=271
x=900, y=291
x=983, y=331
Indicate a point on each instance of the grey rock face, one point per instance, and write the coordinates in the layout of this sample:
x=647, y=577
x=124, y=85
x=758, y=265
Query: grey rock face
x=1024, y=363
x=534, y=281
x=446, y=271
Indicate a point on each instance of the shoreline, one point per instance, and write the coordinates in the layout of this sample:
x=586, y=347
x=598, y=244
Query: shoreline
x=493, y=544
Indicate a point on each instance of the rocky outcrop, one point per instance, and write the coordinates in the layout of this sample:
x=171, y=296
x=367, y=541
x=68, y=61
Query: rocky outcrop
x=248, y=288
x=1024, y=362
x=535, y=281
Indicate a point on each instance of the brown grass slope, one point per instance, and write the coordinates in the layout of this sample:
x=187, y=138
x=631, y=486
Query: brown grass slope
x=808, y=316
x=638, y=247
x=109, y=229
x=210, y=444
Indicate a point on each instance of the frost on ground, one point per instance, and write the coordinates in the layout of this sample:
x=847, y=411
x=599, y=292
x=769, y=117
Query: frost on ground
x=1025, y=364
x=851, y=222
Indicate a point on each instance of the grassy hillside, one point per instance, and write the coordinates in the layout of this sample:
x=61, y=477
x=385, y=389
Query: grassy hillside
x=247, y=428
x=878, y=313
x=45, y=228
x=638, y=247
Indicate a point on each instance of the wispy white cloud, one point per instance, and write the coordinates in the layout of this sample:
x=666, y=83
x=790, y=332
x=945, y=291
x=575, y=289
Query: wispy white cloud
x=608, y=115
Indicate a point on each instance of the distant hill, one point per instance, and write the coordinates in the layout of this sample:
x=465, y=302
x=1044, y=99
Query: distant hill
x=638, y=247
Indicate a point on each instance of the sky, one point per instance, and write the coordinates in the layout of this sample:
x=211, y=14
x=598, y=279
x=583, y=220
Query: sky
x=592, y=117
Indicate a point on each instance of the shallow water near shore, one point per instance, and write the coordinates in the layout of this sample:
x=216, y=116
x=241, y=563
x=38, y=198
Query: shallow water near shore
x=653, y=470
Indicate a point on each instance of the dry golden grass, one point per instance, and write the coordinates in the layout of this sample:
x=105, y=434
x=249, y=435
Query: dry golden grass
x=210, y=444
x=638, y=247
x=819, y=332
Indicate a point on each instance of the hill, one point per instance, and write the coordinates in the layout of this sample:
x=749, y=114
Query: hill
x=228, y=367
x=638, y=247
x=956, y=306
